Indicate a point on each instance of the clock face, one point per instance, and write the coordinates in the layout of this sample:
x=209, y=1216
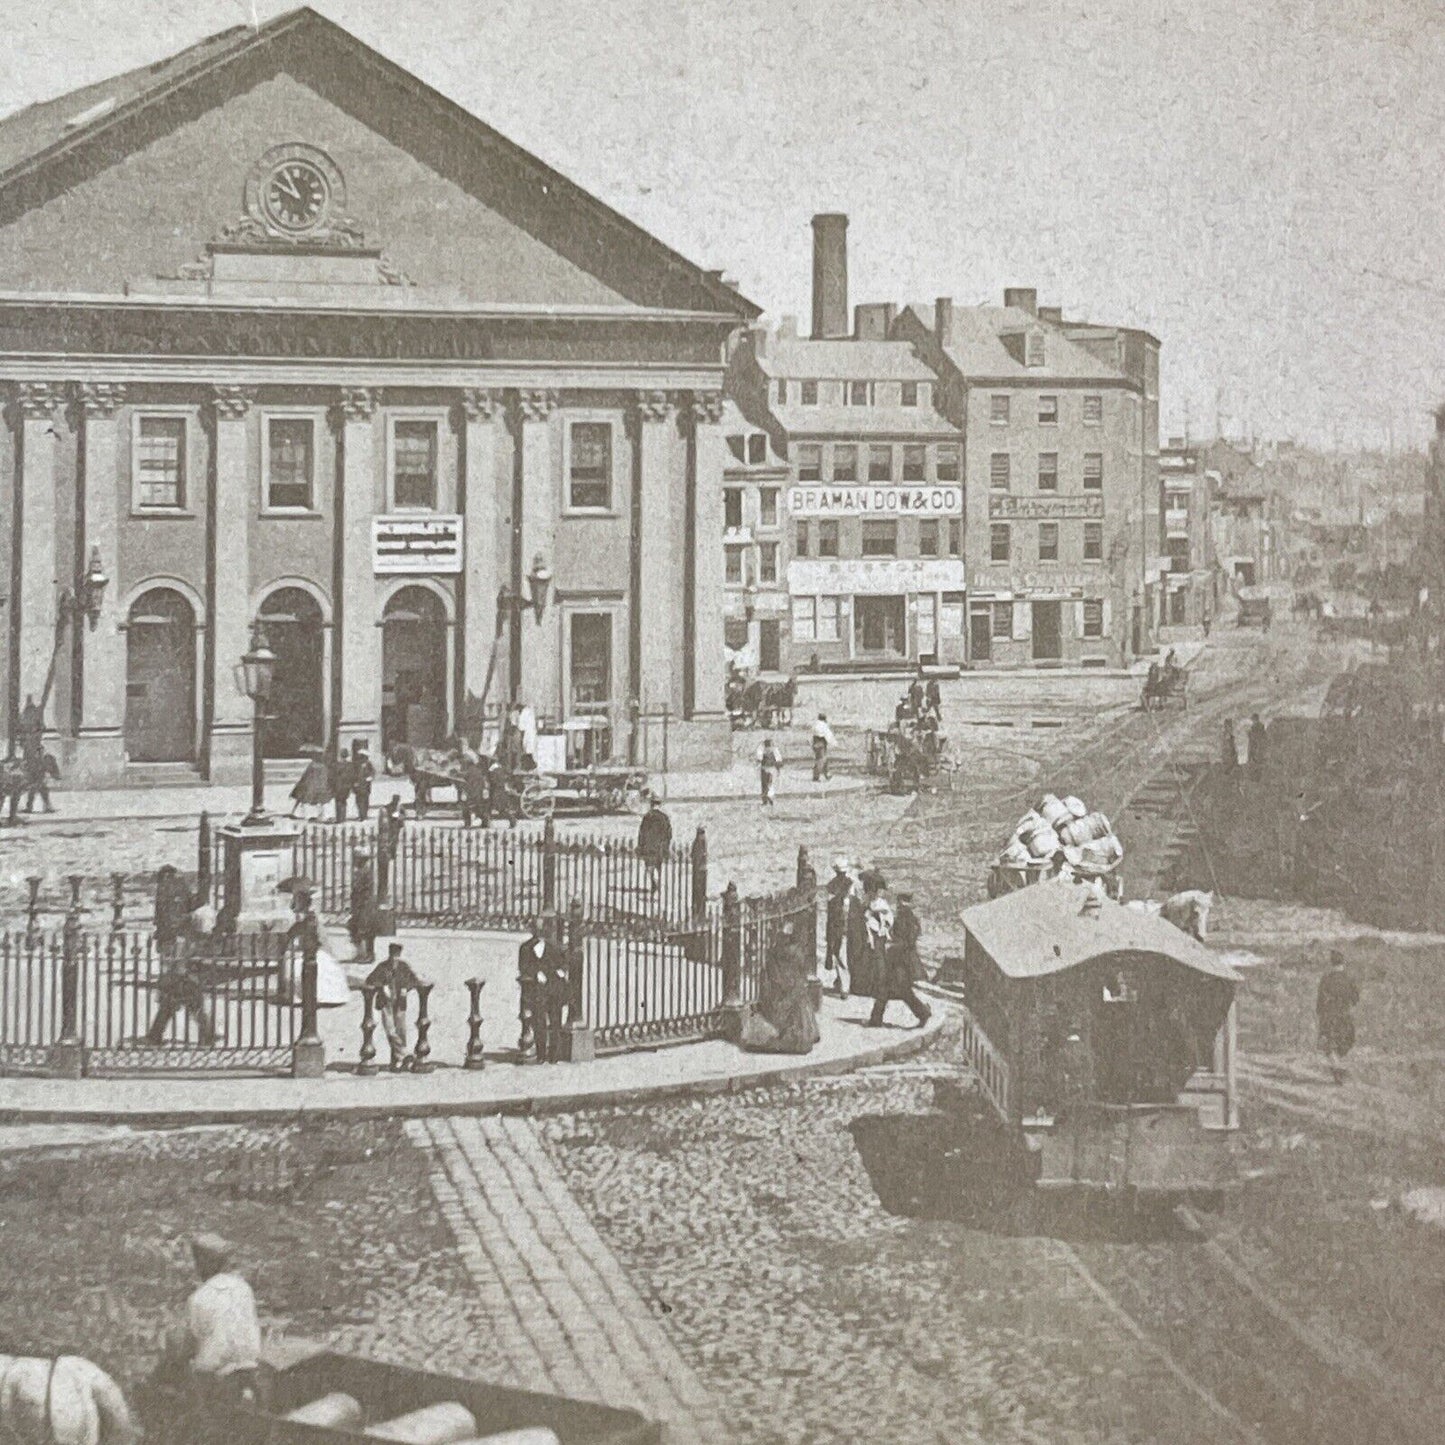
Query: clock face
x=295, y=195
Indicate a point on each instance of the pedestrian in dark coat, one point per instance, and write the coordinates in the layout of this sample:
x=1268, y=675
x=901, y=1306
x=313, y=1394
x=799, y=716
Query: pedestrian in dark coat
x=1256, y=742
x=363, y=773
x=537, y=963
x=840, y=890
x=934, y=698
x=388, y=839
x=654, y=841
x=901, y=967
x=1231, y=744
x=313, y=787
x=363, y=922
x=343, y=780
x=174, y=906
x=1335, y=1003
x=39, y=768
x=476, y=791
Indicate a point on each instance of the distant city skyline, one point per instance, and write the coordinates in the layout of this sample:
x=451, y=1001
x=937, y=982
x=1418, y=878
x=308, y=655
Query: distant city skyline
x=1246, y=182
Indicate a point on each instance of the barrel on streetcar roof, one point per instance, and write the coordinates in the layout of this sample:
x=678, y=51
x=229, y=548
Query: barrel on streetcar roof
x=1088, y=829
x=1054, y=811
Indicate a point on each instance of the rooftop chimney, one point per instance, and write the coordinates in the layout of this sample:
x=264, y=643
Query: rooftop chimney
x=943, y=319
x=1025, y=298
x=1052, y=313
x=873, y=322
x=830, y=276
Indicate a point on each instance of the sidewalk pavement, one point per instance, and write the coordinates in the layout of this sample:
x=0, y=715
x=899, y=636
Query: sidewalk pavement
x=221, y=802
x=500, y=1088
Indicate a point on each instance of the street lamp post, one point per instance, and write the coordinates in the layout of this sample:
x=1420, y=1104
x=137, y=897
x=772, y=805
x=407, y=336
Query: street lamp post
x=512, y=604
x=254, y=675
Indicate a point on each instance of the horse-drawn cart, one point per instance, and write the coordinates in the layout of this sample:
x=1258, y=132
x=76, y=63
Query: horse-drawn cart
x=1165, y=683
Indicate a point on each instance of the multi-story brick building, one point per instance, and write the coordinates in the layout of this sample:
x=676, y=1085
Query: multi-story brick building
x=1190, y=592
x=225, y=392
x=755, y=527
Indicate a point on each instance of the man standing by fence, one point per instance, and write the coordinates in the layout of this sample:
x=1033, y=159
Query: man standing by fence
x=362, y=776
x=654, y=841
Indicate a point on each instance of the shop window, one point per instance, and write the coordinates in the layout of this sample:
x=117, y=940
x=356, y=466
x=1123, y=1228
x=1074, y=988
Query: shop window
x=827, y=539
x=589, y=473
x=810, y=393
x=880, y=463
x=768, y=507
x=768, y=562
x=590, y=662
x=928, y=538
x=1093, y=409
x=1048, y=471
x=880, y=538
x=810, y=462
x=1093, y=541
x=1048, y=411
x=290, y=463
x=845, y=462
x=998, y=542
x=800, y=539
x=1048, y=541
x=998, y=408
x=948, y=462
x=998, y=472
x=955, y=536
x=732, y=508
x=915, y=463
x=1093, y=471
x=158, y=463
x=829, y=615
x=757, y=448
x=910, y=393
x=805, y=619
x=1093, y=618
x=413, y=463
x=1001, y=621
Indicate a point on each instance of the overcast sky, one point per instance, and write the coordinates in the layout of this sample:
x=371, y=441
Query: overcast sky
x=1253, y=181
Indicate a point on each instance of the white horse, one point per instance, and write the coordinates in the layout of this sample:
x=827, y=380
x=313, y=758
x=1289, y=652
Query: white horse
x=64, y=1401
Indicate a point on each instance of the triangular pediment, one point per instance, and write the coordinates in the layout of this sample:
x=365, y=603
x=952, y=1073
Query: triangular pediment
x=138, y=177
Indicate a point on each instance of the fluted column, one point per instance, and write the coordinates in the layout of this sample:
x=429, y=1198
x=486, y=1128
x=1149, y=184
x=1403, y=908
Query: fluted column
x=357, y=592
x=231, y=508
x=37, y=406
x=704, y=642
x=481, y=409
x=539, y=666
x=100, y=659
x=661, y=574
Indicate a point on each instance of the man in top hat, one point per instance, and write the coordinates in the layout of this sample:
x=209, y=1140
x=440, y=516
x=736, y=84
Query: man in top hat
x=654, y=840
x=362, y=774
x=840, y=888
x=219, y=1344
x=363, y=923
x=541, y=976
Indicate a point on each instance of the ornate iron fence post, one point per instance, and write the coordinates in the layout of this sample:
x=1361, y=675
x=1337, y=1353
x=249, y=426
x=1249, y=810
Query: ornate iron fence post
x=67, y=1056
x=734, y=1011
x=203, y=857
x=805, y=928
x=421, y=1055
x=366, y=1059
x=32, y=909
x=474, y=1058
x=308, y=1054
x=699, y=873
x=549, y=866
x=578, y=1044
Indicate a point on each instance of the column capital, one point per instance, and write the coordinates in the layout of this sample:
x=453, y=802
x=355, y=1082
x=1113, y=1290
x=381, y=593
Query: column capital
x=99, y=398
x=231, y=403
x=357, y=403
x=536, y=403
x=38, y=400
x=480, y=403
x=654, y=406
x=707, y=408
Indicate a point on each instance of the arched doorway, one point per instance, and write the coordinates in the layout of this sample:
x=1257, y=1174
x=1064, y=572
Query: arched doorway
x=414, y=669
x=160, y=678
x=295, y=629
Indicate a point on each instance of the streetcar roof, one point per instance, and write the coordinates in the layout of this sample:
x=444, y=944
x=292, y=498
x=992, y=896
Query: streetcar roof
x=1046, y=928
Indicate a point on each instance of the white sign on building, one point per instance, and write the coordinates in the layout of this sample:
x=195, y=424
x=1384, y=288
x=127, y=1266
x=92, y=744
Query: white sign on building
x=934, y=501
x=821, y=577
x=408, y=543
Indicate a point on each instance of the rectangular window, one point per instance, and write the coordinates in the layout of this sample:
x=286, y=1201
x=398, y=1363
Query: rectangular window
x=827, y=539
x=1048, y=411
x=782, y=392
x=998, y=471
x=1177, y=549
x=845, y=462
x=290, y=463
x=955, y=536
x=767, y=506
x=880, y=539
x=1093, y=541
x=757, y=448
x=858, y=393
x=928, y=538
x=880, y=464
x=160, y=462
x=800, y=540
x=910, y=393
x=1093, y=617
x=767, y=562
x=732, y=508
x=1093, y=409
x=1093, y=471
x=1034, y=350
x=735, y=570
x=805, y=619
x=998, y=405
x=413, y=463
x=1001, y=621
x=915, y=463
x=829, y=609
x=1048, y=541
x=810, y=393
x=948, y=465
x=810, y=462
x=998, y=548
x=591, y=661
x=1048, y=471
x=589, y=483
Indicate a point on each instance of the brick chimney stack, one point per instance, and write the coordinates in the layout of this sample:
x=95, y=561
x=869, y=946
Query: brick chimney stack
x=830, y=276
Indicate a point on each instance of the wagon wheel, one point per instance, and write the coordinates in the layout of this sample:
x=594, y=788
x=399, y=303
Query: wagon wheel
x=538, y=799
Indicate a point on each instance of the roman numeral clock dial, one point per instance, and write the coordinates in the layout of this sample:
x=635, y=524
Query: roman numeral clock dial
x=295, y=190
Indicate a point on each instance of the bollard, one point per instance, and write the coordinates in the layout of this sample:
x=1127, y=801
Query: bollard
x=308, y=1053
x=549, y=865
x=474, y=1024
x=421, y=1055
x=32, y=909
x=578, y=1044
x=366, y=1059
x=117, y=902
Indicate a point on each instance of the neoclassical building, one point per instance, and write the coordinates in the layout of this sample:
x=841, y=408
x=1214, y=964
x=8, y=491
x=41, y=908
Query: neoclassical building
x=285, y=334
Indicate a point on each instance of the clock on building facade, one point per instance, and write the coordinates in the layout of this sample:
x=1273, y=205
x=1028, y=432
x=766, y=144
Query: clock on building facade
x=295, y=191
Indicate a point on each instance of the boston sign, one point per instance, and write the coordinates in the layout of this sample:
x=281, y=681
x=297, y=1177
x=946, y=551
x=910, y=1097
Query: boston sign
x=938, y=501
x=408, y=543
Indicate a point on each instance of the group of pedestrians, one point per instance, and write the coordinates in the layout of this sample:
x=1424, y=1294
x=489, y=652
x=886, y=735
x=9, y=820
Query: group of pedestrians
x=336, y=781
x=871, y=943
x=1256, y=743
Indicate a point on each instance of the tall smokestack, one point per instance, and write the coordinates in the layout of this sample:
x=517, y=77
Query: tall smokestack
x=830, y=276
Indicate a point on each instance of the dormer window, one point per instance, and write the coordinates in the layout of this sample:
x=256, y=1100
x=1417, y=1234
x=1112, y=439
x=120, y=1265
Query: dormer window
x=910, y=393
x=858, y=393
x=757, y=448
x=1034, y=349
x=810, y=393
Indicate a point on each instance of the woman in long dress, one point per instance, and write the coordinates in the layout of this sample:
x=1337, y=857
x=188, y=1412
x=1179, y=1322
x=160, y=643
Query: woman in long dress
x=313, y=788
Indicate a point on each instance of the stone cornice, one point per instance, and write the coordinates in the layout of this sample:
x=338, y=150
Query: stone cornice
x=536, y=403
x=231, y=403
x=99, y=398
x=481, y=403
x=707, y=408
x=357, y=403
x=657, y=406
x=38, y=400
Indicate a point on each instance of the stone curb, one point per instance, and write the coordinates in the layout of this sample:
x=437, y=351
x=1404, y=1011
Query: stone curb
x=913, y=1041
